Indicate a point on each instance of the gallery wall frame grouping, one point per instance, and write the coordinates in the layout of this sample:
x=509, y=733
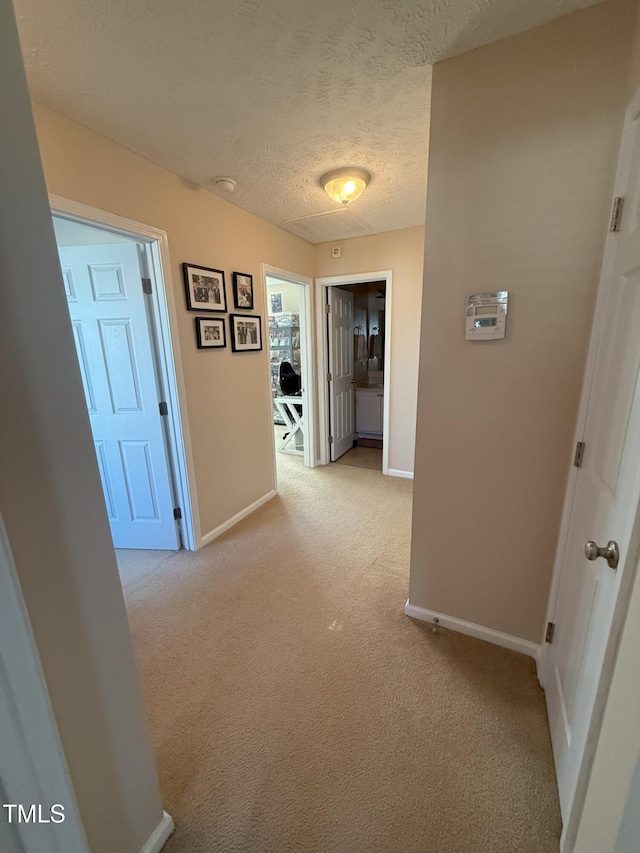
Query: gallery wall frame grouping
x=205, y=290
x=246, y=332
x=211, y=333
x=242, y=291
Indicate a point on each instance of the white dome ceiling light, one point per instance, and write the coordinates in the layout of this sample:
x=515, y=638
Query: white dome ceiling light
x=345, y=185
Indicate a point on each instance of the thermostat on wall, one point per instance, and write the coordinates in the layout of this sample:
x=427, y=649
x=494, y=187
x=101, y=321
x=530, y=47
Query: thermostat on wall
x=486, y=315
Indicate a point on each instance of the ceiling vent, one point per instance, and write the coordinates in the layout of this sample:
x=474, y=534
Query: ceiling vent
x=339, y=224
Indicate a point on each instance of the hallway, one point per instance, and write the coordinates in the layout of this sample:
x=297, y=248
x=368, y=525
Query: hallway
x=293, y=707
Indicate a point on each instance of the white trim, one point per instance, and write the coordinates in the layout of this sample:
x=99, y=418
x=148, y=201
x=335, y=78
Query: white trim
x=33, y=767
x=397, y=472
x=323, y=358
x=159, y=836
x=227, y=525
x=166, y=330
x=508, y=641
x=175, y=391
x=306, y=352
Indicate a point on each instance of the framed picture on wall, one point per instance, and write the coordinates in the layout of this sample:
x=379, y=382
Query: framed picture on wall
x=246, y=332
x=243, y=290
x=276, y=303
x=211, y=333
x=204, y=288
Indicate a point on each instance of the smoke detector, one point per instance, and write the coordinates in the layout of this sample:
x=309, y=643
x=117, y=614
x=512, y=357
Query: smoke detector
x=224, y=185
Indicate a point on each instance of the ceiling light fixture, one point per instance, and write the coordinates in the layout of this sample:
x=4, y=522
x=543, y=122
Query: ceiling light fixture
x=345, y=185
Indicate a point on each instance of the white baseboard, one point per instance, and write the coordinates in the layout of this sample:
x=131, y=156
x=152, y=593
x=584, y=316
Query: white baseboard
x=526, y=647
x=226, y=525
x=396, y=472
x=159, y=836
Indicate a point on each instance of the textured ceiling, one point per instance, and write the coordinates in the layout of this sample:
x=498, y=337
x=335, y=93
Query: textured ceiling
x=270, y=92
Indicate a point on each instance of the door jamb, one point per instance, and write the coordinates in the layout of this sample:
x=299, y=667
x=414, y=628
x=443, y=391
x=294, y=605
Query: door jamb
x=628, y=569
x=33, y=761
x=165, y=329
x=323, y=358
x=306, y=335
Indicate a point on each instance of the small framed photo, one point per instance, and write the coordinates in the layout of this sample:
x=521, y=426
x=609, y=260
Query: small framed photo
x=243, y=290
x=246, y=332
x=276, y=303
x=210, y=333
x=204, y=288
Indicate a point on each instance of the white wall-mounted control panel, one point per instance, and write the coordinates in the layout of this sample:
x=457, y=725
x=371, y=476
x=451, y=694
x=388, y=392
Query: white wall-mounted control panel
x=486, y=315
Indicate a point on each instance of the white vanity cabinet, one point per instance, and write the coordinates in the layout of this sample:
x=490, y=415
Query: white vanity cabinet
x=369, y=412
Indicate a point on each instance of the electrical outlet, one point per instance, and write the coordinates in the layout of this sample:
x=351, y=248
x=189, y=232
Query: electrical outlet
x=336, y=251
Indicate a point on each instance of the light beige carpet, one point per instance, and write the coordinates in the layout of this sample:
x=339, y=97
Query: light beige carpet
x=293, y=707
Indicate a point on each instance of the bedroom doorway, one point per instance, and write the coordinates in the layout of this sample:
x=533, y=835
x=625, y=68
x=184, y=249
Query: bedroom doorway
x=113, y=272
x=288, y=301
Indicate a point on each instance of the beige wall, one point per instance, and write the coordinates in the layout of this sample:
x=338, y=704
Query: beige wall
x=232, y=443
x=52, y=505
x=401, y=252
x=634, y=65
x=523, y=149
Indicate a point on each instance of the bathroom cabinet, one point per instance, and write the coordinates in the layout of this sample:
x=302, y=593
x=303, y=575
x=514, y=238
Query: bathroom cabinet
x=369, y=412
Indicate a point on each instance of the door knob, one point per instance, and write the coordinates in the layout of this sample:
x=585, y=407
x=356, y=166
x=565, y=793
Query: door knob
x=611, y=553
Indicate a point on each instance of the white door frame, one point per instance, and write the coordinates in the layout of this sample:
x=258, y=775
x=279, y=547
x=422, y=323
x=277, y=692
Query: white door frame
x=628, y=564
x=306, y=359
x=33, y=768
x=323, y=357
x=165, y=330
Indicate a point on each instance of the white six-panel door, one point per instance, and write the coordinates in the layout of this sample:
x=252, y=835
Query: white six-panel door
x=606, y=496
x=341, y=387
x=108, y=315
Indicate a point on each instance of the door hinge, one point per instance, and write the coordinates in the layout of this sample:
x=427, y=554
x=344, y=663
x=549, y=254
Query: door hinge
x=177, y=513
x=329, y=377
x=164, y=409
x=579, y=454
x=330, y=439
x=616, y=213
x=548, y=638
x=327, y=308
x=146, y=285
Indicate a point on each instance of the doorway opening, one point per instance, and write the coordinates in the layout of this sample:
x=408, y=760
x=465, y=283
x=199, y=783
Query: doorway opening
x=288, y=301
x=367, y=377
x=113, y=279
x=354, y=337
